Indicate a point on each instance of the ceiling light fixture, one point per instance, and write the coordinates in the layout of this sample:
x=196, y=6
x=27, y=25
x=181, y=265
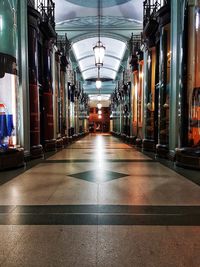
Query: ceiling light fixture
x=99, y=48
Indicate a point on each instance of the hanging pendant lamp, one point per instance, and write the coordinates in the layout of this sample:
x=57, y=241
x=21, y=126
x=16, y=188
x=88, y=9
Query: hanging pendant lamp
x=99, y=48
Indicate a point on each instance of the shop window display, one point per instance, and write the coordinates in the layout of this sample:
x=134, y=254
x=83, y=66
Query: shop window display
x=164, y=88
x=150, y=95
x=8, y=110
x=9, y=119
x=193, y=86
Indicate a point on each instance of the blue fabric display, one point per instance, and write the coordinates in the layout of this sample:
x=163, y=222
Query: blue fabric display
x=10, y=125
x=3, y=126
x=6, y=125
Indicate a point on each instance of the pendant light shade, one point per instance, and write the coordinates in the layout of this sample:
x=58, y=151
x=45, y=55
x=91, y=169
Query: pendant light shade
x=99, y=52
x=99, y=48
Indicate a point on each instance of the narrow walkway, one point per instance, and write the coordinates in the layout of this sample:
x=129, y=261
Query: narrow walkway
x=99, y=203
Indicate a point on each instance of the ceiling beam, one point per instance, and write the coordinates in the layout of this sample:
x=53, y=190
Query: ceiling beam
x=94, y=67
x=92, y=55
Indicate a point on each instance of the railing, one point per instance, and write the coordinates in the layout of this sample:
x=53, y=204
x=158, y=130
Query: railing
x=134, y=43
x=151, y=7
x=31, y=3
x=63, y=44
x=46, y=9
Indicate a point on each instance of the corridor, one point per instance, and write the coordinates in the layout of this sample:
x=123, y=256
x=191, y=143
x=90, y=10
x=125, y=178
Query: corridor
x=100, y=203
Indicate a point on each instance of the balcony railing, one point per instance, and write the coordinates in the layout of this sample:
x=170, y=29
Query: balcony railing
x=31, y=3
x=135, y=43
x=151, y=7
x=63, y=44
x=46, y=8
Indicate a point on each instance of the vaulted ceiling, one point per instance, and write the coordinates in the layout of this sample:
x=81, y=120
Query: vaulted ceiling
x=79, y=20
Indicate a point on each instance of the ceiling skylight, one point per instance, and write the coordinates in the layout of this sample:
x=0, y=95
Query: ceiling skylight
x=83, y=52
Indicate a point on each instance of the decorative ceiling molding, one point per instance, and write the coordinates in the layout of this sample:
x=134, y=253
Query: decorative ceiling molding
x=92, y=55
x=106, y=21
x=92, y=68
x=113, y=27
x=93, y=3
x=80, y=35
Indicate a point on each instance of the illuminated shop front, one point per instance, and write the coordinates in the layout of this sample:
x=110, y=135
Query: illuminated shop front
x=115, y=112
x=188, y=151
x=41, y=36
x=83, y=112
x=164, y=88
x=157, y=76
x=137, y=98
x=193, y=82
x=71, y=110
x=126, y=108
x=8, y=76
x=11, y=154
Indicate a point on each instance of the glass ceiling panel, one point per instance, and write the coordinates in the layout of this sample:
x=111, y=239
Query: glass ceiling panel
x=104, y=73
x=109, y=62
x=83, y=51
x=84, y=47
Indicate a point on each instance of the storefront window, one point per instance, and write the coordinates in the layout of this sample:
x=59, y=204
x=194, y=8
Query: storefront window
x=9, y=117
x=134, y=111
x=165, y=59
x=140, y=91
x=194, y=76
x=150, y=97
x=8, y=111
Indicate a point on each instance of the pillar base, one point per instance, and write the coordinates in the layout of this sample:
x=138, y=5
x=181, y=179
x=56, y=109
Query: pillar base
x=36, y=152
x=132, y=140
x=50, y=145
x=138, y=142
x=59, y=143
x=11, y=158
x=65, y=141
x=188, y=157
x=148, y=145
x=162, y=151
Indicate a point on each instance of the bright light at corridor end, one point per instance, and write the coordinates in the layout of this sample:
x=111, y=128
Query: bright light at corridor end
x=102, y=97
x=98, y=84
x=99, y=105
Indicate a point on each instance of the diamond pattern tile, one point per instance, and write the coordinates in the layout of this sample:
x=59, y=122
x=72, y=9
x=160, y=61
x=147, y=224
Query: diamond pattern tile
x=98, y=176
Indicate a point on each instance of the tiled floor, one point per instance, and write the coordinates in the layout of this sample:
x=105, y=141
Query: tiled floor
x=99, y=203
